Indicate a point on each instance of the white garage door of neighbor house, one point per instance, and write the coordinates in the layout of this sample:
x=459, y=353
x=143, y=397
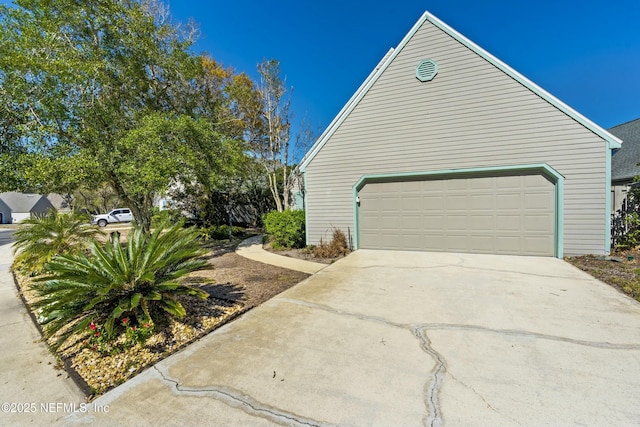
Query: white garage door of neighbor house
x=512, y=214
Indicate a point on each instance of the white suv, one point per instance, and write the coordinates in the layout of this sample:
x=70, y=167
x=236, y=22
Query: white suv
x=116, y=215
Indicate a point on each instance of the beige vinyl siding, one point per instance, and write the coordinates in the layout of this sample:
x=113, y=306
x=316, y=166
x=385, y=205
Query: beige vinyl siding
x=470, y=115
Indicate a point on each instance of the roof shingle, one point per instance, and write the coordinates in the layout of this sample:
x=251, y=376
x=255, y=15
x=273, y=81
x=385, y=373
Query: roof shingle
x=20, y=202
x=624, y=163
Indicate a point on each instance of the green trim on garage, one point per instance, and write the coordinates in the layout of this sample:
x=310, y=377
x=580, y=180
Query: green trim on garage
x=542, y=168
x=306, y=208
x=607, y=192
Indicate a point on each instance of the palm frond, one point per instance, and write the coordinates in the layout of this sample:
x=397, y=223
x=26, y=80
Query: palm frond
x=139, y=279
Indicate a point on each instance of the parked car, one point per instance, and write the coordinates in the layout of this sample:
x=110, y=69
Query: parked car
x=116, y=215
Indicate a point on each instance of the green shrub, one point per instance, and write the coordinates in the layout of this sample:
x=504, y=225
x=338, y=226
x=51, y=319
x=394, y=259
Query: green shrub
x=632, y=238
x=137, y=281
x=166, y=216
x=285, y=229
x=220, y=232
x=39, y=239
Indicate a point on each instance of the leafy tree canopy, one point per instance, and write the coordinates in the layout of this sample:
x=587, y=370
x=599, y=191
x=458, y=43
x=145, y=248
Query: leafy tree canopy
x=106, y=91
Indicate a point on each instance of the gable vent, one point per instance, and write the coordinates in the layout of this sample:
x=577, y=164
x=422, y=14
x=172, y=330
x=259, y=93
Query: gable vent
x=426, y=70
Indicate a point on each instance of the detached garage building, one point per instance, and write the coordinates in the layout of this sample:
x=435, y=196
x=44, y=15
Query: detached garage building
x=446, y=148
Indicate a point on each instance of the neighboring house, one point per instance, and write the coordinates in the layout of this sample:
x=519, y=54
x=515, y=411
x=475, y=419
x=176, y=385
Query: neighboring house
x=446, y=148
x=60, y=202
x=624, y=163
x=5, y=213
x=16, y=207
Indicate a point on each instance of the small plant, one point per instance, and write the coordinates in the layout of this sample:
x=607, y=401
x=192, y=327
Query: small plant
x=338, y=246
x=39, y=239
x=285, y=229
x=138, y=335
x=97, y=341
x=101, y=341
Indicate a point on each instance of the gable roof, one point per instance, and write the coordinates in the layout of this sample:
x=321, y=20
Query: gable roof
x=612, y=140
x=624, y=162
x=58, y=201
x=20, y=202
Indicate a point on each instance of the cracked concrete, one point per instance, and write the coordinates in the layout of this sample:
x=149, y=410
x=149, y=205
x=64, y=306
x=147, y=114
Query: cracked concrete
x=234, y=398
x=434, y=417
x=402, y=338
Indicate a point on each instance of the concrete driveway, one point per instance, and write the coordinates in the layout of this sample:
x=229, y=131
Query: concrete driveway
x=404, y=338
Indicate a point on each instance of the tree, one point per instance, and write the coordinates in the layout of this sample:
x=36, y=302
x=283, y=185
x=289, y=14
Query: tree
x=270, y=139
x=100, y=91
x=268, y=122
x=220, y=162
x=97, y=199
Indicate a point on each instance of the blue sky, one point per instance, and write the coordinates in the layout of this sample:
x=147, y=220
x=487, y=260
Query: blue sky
x=586, y=53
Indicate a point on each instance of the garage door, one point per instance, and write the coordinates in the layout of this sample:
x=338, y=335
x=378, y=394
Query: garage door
x=512, y=214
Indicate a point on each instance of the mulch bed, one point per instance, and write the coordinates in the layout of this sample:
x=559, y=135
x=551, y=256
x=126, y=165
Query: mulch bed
x=246, y=281
x=620, y=270
x=304, y=254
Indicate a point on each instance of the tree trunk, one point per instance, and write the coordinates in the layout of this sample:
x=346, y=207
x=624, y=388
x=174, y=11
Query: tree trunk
x=273, y=186
x=285, y=185
x=140, y=208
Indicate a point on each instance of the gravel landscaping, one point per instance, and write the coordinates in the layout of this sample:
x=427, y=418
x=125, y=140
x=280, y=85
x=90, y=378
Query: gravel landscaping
x=235, y=285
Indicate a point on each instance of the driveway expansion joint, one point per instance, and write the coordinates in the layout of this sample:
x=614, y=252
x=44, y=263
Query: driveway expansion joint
x=239, y=400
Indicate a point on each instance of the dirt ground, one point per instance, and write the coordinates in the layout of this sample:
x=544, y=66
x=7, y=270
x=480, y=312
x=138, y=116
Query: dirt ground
x=620, y=270
x=242, y=280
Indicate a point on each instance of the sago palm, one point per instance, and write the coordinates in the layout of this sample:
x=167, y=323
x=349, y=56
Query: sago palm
x=138, y=280
x=39, y=239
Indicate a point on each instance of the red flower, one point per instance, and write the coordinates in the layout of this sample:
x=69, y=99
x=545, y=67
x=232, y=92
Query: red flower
x=147, y=325
x=92, y=326
x=125, y=321
x=133, y=328
x=84, y=343
x=98, y=334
